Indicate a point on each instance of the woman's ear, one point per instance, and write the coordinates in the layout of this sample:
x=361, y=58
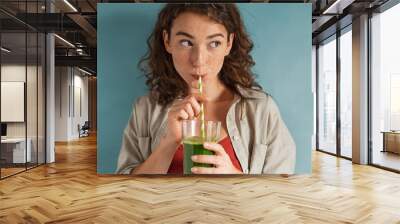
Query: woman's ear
x=229, y=44
x=166, y=41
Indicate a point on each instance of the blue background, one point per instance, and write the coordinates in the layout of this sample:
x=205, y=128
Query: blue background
x=282, y=51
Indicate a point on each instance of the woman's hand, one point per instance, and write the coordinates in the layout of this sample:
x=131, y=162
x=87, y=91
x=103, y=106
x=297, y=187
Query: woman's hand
x=221, y=161
x=184, y=109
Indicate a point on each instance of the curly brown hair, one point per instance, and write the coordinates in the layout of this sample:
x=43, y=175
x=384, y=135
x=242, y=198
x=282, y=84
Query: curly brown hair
x=165, y=83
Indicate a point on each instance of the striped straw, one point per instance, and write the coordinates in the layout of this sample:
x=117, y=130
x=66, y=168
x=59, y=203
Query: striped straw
x=202, y=127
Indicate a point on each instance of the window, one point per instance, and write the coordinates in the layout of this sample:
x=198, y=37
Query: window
x=346, y=92
x=327, y=95
x=385, y=88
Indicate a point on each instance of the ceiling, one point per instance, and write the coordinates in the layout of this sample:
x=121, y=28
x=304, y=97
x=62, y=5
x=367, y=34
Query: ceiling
x=76, y=22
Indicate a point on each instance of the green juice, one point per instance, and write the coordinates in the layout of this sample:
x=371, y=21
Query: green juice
x=194, y=146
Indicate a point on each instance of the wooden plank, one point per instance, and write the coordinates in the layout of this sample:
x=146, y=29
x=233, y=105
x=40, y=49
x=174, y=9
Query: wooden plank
x=70, y=191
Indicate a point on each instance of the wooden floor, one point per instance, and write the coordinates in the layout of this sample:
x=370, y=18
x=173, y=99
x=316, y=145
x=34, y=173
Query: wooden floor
x=69, y=191
x=5, y=172
x=387, y=159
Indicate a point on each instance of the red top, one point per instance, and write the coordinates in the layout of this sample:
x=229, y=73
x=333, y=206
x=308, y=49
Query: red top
x=176, y=166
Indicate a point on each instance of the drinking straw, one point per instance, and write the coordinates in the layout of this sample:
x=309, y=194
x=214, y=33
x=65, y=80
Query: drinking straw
x=202, y=123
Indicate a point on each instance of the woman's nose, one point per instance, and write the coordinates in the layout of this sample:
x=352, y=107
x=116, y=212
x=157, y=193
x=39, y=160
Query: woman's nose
x=198, y=57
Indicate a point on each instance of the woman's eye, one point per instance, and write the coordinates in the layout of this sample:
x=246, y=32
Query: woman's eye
x=215, y=44
x=185, y=43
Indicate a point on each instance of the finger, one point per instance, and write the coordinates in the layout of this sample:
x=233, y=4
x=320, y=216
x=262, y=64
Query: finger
x=175, y=110
x=195, y=105
x=182, y=115
x=190, y=105
x=203, y=170
x=209, y=159
x=215, y=147
x=189, y=110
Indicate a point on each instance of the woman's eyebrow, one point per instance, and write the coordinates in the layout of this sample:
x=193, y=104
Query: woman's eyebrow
x=215, y=35
x=181, y=33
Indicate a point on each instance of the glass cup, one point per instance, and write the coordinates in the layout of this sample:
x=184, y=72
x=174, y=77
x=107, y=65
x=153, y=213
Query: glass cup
x=193, y=139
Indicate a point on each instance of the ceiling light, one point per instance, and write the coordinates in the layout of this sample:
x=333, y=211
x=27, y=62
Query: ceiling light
x=65, y=41
x=338, y=6
x=5, y=50
x=84, y=71
x=71, y=6
x=329, y=9
x=79, y=51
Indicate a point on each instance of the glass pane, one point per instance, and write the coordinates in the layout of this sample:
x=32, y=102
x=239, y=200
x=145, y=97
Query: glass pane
x=386, y=89
x=395, y=102
x=23, y=82
x=31, y=101
x=327, y=96
x=346, y=94
x=31, y=85
x=41, y=98
x=13, y=87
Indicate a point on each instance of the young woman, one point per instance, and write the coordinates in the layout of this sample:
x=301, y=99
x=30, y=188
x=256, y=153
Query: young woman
x=207, y=40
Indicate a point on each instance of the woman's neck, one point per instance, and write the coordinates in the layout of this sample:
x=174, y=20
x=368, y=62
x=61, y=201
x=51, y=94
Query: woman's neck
x=217, y=92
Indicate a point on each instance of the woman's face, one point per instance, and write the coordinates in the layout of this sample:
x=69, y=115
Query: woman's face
x=198, y=46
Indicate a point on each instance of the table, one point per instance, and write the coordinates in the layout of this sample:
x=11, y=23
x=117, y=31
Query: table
x=391, y=141
x=13, y=150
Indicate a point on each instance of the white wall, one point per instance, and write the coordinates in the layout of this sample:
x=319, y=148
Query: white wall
x=61, y=103
x=71, y=94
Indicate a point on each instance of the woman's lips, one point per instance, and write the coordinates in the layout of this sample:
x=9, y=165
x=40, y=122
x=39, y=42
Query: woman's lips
x=196, y=77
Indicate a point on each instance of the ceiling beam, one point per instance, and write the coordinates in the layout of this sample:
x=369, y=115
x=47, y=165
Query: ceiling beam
x=84, y=24
x=83, y=61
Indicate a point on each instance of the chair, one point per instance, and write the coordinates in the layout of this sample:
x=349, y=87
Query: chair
x=84, y=130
